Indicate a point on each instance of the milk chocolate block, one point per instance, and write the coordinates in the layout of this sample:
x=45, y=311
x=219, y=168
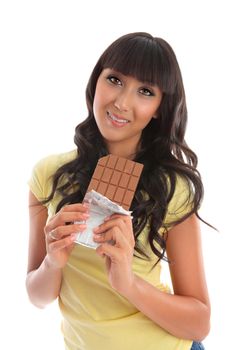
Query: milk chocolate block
x=116, y=178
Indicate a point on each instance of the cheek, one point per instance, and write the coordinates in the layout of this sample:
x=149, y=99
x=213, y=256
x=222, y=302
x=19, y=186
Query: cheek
x=101, y=99
x=95, y=105
x=146, y=113
x=97, y=102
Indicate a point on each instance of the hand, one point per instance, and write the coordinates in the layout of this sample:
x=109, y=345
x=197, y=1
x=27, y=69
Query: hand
x=116, y=236
x=60, y=236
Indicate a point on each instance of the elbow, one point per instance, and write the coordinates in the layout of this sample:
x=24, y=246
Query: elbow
x=37, y=301
x=34, y=301
x=202, y=333
x=203, y=325
x=32, y=298
x=35, y=297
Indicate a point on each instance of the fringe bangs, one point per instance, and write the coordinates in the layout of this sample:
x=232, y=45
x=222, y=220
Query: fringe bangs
x=142, y=58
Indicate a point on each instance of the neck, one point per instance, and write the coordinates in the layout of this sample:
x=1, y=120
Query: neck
x=122, y=150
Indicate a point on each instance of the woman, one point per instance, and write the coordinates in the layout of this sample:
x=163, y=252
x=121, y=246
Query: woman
x=112, y=297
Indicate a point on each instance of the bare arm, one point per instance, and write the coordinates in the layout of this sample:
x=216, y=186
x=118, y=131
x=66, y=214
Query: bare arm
x=186, y=314
x=46, y=256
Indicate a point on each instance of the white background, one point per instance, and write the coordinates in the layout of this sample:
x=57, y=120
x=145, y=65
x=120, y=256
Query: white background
x=48, y=49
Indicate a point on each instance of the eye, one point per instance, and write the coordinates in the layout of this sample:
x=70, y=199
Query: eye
x=114, y=80
x=146, y=92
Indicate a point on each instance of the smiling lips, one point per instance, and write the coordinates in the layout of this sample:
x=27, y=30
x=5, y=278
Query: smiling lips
x=116, y=121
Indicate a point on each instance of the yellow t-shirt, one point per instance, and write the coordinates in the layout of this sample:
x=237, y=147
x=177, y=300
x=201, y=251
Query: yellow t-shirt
x=95, y=316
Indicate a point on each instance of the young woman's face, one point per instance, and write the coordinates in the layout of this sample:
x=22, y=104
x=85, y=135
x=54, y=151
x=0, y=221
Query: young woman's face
x=122, y=107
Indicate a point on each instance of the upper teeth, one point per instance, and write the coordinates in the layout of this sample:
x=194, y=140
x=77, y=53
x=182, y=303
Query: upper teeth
x=117, y=119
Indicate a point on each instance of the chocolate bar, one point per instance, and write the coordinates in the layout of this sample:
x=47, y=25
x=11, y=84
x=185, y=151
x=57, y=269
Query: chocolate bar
x=116, y=178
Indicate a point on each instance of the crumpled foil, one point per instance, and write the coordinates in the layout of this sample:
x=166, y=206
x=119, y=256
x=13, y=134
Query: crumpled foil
x=100, y=207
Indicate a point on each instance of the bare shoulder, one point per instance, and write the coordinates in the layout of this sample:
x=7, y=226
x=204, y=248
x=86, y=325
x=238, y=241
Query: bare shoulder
x=184, y=250
x=37, y=220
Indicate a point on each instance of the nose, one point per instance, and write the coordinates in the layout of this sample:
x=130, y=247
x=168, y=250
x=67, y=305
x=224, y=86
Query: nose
x=123, y=101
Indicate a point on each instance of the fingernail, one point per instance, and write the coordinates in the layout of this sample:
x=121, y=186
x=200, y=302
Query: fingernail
x=96, y=229
x=73, y=236
x=85, y=215
x=107, y=218
x=82, y=227
x=86, y=205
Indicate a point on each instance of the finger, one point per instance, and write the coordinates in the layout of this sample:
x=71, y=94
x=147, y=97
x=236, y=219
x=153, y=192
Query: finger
x=110, y=251
x=124, y=225
x=66, y=230
x=51, y=236
x=126, y=218
x=114, y=237
x=61, y=218
x=82, y=207
x=109, y=224
x=63, y=243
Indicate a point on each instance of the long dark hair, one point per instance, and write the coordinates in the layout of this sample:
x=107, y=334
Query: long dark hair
x=163, y=150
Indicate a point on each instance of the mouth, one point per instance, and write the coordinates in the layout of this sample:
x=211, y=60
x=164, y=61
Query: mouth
x=116, y=120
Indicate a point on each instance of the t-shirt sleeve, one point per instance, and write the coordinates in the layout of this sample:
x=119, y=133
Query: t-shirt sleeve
x=181, y=203
x=40, y=182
